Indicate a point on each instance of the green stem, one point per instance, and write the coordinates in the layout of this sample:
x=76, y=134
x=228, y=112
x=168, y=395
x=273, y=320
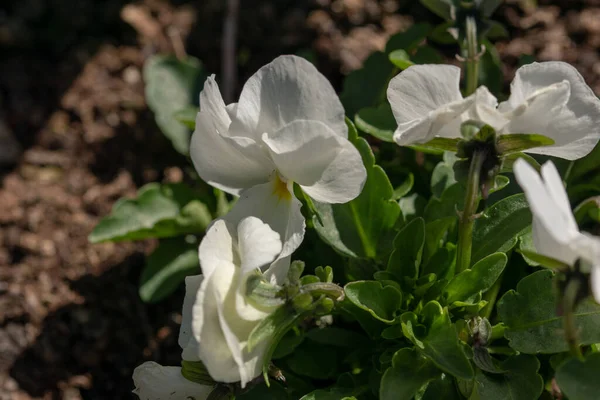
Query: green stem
x=490, y=296
x=467, y=217
x=569, y=303
x=330, y=290
x=472, y=57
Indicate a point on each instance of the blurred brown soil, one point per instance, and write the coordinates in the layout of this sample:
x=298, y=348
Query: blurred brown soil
x=71, y=323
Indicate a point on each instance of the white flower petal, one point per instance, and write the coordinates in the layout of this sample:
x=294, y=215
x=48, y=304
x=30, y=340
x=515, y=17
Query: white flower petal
x=556, y=189
x=544, y=208
x=421, y=95
x=154, y=382
x=287, y=89
x=546, y=244
x=258, y=244
x=281, y=211
x=186, y=337
x=327, y=167
x=575, y=127
x=228, y=163
x=216, y=248
x=214, y=350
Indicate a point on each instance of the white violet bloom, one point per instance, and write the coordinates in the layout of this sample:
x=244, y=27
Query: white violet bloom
x=155, y=382
x=288, y=126
x=555, y=231
x=217, y=318
x=549, y=98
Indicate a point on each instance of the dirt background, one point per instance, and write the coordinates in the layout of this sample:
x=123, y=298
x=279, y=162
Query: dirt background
x=71, y=323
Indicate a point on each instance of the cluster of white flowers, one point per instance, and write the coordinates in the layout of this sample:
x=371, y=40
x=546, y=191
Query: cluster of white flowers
x=288, y=127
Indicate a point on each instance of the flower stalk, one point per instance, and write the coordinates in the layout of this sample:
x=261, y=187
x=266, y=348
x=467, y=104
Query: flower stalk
x=472, y=59
x=467, y=216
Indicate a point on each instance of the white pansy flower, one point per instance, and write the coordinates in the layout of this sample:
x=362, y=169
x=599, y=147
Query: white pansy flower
x=549, y=98
x=217, y=318
x=155, y=382
x=555, y=231
x=288, y=126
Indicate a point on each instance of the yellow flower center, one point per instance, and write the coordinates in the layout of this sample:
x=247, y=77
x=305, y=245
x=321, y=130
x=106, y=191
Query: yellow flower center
x=280, y=188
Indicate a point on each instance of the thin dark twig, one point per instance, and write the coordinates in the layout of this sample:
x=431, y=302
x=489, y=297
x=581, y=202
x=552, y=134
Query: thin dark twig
x=229, y=49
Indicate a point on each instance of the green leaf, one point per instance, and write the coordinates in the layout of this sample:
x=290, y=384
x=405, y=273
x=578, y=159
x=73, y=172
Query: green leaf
x=497, y=31
x=405, y=187
x=400, y=59
x=488, y=7
x=509, y=160
x=437, y=145
x=520, y=382
x=532, y=323
x=490, y=68
x=585, y=166
x=361, y=227
x=500, y=226
x=379, y=301
x=195, y=371
x=187, y=116
x=408, y=249
x=159, y=211
x=441, y=388
x=441, y=344
x=412, y=206
x=441, y=35
x=409, y=39
x=439, y=7
x=518, y=142
x=408, y=373
x=427, y=55
x=288, y=343
x=377, y=71
x=579, y=379
x=167, y=267
x=435, y=232
x=276, y=324
x=313, y=360
x=171, y=85
x=442, y=263
x=442, y=176
x=377, y=121
x=479, y=278
x=338, y=337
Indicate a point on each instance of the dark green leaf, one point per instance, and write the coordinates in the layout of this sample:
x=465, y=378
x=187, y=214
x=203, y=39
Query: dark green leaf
x=437, y=145
x=172, y=85
x=488, y=7
x=490, y=68
x=579, y=379
x=195, y=371
x=435, y=232
x=532, y=323
x=276, y=324
x=366, y=87
x=379, y=301
x=409, y=39
x=509, y=160
x=377, y=121
x=500, y=226
x=361, y=227
x=408, y=249
x=427, y=55
x=520, y=382
x=159, y=211
x=479, y=278
x=400, y=59
x=442, y=262
x=408, y=373
x=334, y=336
x=412, y=206
x=442, y=176
x=441, y=35
x=497, y=31
x=288, y=343
x=313, y=360
x=439, y=7
x=517, y=142
x=441, y=388
x=441, y=343
x=167, y=267
x=405, y=187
